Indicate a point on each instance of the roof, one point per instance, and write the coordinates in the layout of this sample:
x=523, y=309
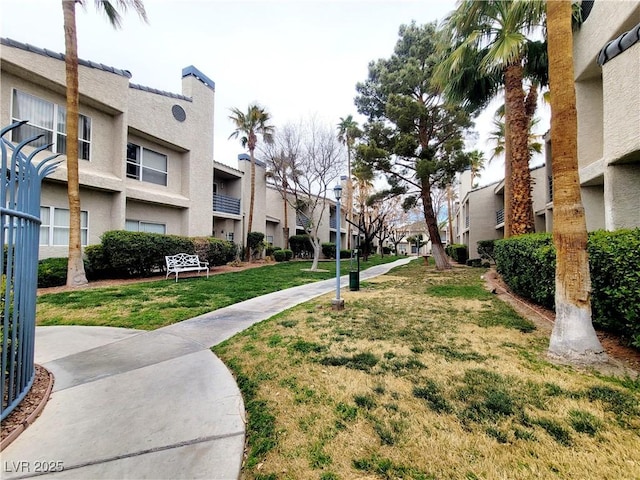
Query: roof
x=99, y=66
x=60, y=56
x=618, y=45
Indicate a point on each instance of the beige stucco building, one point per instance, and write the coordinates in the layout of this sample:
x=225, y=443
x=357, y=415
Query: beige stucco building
x=607, y=69
x=146, y=156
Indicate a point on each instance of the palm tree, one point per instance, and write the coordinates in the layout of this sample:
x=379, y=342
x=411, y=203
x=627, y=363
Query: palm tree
x=75, y=270
x=492, y=35
x=477, y=163
x=248, y=126
x=573, y=337
x=348, y=131
x=497, y=137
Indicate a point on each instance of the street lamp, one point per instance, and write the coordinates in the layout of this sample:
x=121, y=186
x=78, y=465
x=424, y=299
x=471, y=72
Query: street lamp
x=337, y=303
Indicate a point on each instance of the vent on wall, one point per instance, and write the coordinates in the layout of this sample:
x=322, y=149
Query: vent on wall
x=178, y=113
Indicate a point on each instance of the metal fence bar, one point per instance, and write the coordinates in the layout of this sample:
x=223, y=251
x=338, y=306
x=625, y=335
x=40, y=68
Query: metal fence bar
x=226, y=204
x=20, y=182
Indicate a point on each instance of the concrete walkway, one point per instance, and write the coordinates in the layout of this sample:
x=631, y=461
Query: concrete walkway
x=131, y=404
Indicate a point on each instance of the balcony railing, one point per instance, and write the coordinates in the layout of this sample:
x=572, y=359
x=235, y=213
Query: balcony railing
x=466, y=221
x=550, y=180
x=333, y=222
x=226, y=204
x=499, y=216
x=302, y=220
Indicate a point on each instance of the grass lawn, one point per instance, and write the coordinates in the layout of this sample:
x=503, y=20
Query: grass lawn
x=151, y=305
x=424, y=375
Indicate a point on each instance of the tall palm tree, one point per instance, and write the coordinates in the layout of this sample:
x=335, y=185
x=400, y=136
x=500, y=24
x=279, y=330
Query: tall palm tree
x=497, y=137
x=573, y=337
x=75, y=271
x=493, y=35
x=348, y=131
x=248, y=126
x=477, y=163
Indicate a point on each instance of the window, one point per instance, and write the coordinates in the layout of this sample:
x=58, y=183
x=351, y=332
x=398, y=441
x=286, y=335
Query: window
x=230, y=236
x=48, y=119
x=270, y=239
x=147, y=227
x=146, y=165
x=54, y=229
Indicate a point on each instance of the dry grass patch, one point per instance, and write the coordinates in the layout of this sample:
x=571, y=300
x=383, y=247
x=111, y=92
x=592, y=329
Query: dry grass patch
x=416, y=382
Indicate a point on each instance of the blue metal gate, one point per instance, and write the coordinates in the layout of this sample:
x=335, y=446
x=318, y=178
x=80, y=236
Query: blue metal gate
x=20, y=182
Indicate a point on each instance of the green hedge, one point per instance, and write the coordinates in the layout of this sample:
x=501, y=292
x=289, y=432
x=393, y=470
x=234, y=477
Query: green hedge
x=527, y=265
x=458, y=252
x=282, y=255
x=52, y=272
x=300, y=245
x=125, y=254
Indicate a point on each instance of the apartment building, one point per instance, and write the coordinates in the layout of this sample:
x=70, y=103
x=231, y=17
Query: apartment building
x=607, y=69
x=480, y=211
x=146, y=156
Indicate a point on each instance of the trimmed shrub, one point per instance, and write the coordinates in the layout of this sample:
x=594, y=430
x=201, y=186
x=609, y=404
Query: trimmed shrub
x=139, y=254
x=527, y=265
x=387, y=250
x=269, y=249
x=329, y=250
x=255, y=242
x=96, y=265
x=282, y=255
x=458, y=252
x=474, y=262
x=614, y=259
x=301, y=246
x=219, y=252
x=52, y=272
x=485, y=250
x=345, y=254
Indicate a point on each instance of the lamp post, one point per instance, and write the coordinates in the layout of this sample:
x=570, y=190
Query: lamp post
x=337, y=303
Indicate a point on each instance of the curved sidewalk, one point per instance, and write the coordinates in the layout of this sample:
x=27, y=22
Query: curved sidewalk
x=135, y=404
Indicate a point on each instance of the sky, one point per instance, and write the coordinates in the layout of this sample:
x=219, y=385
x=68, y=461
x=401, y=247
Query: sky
x=296, y=58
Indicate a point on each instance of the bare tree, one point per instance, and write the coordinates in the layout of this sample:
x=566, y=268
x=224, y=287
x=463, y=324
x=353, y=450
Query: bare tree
x=305, y=163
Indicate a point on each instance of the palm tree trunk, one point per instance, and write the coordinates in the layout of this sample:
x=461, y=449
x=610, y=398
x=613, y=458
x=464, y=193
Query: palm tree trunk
x=450, y=213
x=508, y=180
x=75, y=271
x=349, y=198
x=573, y=337
x=520, y=198
x=252, y=199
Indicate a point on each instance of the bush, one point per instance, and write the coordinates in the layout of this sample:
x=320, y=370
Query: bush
x=474, y=262
x=134, y=254
x=217, y=251
x=527, y=265
x=281, y=255
x=301, y=246
x=269, y=249
x=485, y=250
x=96, y=265
x=329, y=250
x=614, y=259
x=345, y=254
x=458, y=252
x=387, y=250
x=255, y=242
x=52, y=272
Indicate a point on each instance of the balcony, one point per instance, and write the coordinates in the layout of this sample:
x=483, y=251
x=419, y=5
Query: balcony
x=333, y=222
x=302, y=221
x=226, y=204
x=500, y=216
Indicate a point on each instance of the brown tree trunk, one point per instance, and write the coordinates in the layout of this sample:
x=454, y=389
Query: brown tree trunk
x=439, y=255
x=573, y=337
x=450, y=213
x=75, y=271
x=521, y=214
x=252, y=198
x=508, y=180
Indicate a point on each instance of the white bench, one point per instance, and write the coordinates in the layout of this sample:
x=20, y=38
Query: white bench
x=184, y=262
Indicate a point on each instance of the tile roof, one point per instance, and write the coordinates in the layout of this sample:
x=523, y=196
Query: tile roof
x=618, y=45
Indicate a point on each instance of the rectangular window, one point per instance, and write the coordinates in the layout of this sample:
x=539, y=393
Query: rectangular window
x=270, y=239
x=230, y=236
x=50, y=120
x=146, y=165
x=54, y=229
x=147, y=227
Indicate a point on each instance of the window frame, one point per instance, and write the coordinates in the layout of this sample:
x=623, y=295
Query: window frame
x=57, y=128
x=143, y=222
x=140, y=168
x=51, y=227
